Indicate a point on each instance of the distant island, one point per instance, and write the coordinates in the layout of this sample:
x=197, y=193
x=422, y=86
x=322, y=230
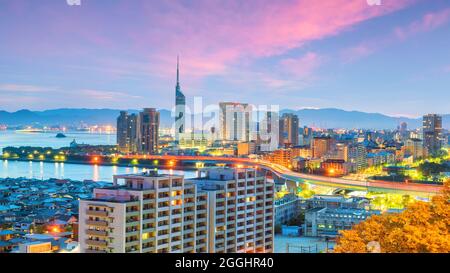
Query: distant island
x=60, y=135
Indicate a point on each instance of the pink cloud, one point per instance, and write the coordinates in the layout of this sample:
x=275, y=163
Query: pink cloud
x=428, y=22
x=210, y=35
x=303, y=66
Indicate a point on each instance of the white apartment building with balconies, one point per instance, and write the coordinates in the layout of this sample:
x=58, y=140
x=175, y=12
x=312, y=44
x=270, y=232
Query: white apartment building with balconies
x=223, y=210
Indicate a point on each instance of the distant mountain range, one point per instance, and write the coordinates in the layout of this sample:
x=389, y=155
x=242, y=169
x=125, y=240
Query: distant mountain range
x=323, y=118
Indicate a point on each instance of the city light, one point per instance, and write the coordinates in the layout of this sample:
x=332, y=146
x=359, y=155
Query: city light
x=55, y=229
x=96, y=160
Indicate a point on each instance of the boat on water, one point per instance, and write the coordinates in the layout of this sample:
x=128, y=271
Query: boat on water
x=60, y=135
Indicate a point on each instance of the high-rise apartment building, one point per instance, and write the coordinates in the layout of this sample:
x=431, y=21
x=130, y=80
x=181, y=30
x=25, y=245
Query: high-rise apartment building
x=289, y=130
x=180, y=108
x=127, y=132
x=322, y=146
x=148, y=131
x=432, y=133
x=235, y=121
x=223, y=210
x=138, y=133
x=358, y=156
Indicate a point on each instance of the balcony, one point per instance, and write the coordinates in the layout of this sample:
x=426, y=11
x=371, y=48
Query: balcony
x=189, y=195
x=201, y=228
x=188, y=249
x=100, y=243
x=131, y=243
x=99, y=213
x=148, y=229
x=99, y=223
x=93, y=232
x=132, y=232
x=150, y=249
x=133, y=213
x=201, y=211
x=148, y=210
x=131, y=223
x=94, y=251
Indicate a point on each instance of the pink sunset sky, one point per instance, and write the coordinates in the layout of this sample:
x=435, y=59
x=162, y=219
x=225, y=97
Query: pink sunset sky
x=391, y=58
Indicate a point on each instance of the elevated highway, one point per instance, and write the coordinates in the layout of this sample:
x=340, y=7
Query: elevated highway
x=287, y=174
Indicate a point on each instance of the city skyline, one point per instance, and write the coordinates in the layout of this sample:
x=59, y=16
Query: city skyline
x=307, y=64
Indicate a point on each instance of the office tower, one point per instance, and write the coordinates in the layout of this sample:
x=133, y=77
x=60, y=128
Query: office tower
x=268, y=128
x=148, y=128
x=180, y=108
x=289, y=130
x=432, y=133
x=226, y=210
x=126, y=132
x=322, y=146
x=235, y=119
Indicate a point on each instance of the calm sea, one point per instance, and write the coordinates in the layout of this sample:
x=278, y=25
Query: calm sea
x=42, y=170
x=16, y=139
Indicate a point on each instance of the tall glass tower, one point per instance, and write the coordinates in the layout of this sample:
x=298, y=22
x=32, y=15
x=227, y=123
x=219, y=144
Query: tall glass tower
x=180, y=107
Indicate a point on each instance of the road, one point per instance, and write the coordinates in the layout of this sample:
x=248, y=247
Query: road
x=285, y=173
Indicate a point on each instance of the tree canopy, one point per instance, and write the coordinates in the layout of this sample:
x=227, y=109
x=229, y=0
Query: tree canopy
x=423, y=227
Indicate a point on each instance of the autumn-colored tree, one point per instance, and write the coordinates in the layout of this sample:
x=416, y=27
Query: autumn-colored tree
x=423, y=227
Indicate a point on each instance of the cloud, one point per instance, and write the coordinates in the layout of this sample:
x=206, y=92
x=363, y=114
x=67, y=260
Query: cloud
x=26, y=88
x=303, y=66
x=105, y=95
x=211, y=36
x=428, y=22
